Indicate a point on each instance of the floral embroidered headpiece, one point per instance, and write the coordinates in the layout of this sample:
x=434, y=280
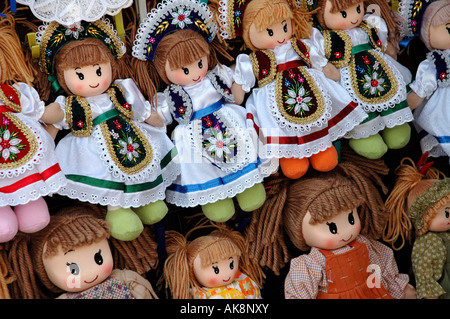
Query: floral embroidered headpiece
x=412, y=12
x=170, y=16
x=51, y=37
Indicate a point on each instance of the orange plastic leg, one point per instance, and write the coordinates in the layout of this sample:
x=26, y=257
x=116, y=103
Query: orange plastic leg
x=325, y=161
x=294, y=167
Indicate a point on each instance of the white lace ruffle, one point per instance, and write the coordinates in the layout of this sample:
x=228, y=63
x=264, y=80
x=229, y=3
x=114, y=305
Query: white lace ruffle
x=158, y=14
x=229, y=190
x=68, y=12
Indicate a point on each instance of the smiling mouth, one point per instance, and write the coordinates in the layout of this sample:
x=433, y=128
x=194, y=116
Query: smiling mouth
x=94, y=86
x=347, y=239
x=195, y=80
x=90, y=282
x=354, y=22
x=284, y=40
x=227, y=279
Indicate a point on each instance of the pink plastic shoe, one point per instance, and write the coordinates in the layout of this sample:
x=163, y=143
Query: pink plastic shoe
x=8, y=224
x=32, y=217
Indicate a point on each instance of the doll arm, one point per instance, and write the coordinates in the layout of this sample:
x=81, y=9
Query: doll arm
x=163, y=108
x=424, y=85
x=428, y=258
x=52, y=114
x=138, y=285
x=303, y=278
x=243, y=73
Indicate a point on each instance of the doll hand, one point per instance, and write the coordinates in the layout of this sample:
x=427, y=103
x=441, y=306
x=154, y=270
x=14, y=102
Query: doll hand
x=331, y=72
x=410, y=292
x=414, y=100
x=392, y=50
x=154, y=120
x=238, y=93
x=52, y=114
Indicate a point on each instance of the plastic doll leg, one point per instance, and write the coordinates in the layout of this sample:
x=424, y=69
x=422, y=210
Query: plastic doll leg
x=252, y=198
x=372, y=147
x=152, y=213
x=294, y=167
x=33, y=216
x=125, y=224
x=397, y=137
x=8, y=224
x=325, y=161
x=219, y=211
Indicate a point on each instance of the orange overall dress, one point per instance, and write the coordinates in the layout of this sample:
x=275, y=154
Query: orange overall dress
x=347, y=275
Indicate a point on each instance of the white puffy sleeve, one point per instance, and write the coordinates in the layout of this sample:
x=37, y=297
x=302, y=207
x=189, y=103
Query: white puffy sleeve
x=379, y=23
x=163, y=109
x=316, y=44
x=62, y=125
x=225, y=73
x=141, y=107
x=243, y=73
x=30, y=101
x=425, y=83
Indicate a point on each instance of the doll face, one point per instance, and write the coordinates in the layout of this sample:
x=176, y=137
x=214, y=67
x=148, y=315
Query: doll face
x=334, y=233
x=441, y=221
x=440, y=36
x=189, y=74
x=219, y=273
x=90, y=80
x=347, y=19
x=78, y=269
x=271, y=37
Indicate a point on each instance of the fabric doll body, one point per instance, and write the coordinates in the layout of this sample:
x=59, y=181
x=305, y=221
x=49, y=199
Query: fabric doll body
x=374, y=80
x=325, y=113
x=242, y=287
x=431, y=117
x=430, y=262
x=30, y=169
x=310, y=277
x=121, y=284
x=99, y=175
x=208, y=134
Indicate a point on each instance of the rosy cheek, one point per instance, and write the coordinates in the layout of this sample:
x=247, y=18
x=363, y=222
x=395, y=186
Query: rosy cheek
x=106, y=83
x=213, y=282
x=329, y=244
x=107, y=269
x=79, y=87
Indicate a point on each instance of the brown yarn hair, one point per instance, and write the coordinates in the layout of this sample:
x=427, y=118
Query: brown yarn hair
x=410, y=184
x=355, y=183
x=14, y=67
x=71, y=227
x=264, y=13
x=219, y=244
x=391, y=18
x=179, y=49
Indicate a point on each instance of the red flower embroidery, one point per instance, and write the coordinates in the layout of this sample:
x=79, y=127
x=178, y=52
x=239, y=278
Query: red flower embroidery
x=126, y=106
x=443, y=76
x=264, y=72
x=208, y=122
x=337, y=55
x=227, y=92
x=181, y=110
x=118, y=125
x=291, y=74
x=379, y=43
x=366, y=60
x=80, y=124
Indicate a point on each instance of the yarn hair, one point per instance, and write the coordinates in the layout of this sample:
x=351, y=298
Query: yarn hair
x=14, y=67
x=219, y=244
x=410, y=184
x=264, y=13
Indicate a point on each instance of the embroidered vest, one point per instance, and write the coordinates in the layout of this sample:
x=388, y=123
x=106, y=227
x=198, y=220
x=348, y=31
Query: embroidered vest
x=298, y=98
x=125, y=142
x=17, y=142
x=441, y=61
x=372, y=79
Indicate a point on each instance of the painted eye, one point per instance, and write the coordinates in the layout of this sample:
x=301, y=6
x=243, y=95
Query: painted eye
x=285, y=28
x=186, y=71
x=98, y=258
x=344, y=14
x=332, y=227
x=232, y=265
x=351, y=219
x=73, y=268
x=99, y=72
x=358, y=9
x=447, y=214
x=80, y=75
x=216, y=269
x=200, y=64
x=270, y=32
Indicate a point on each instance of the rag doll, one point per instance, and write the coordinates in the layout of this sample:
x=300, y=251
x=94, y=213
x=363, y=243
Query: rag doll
x=73, y=258
x=117, y=152
x=29, y=168
x=334, y=219
x=218, y=156
x=296, y=110
x=358, y=44
x=419, y=206
x=213, y=266
x=430, y=90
